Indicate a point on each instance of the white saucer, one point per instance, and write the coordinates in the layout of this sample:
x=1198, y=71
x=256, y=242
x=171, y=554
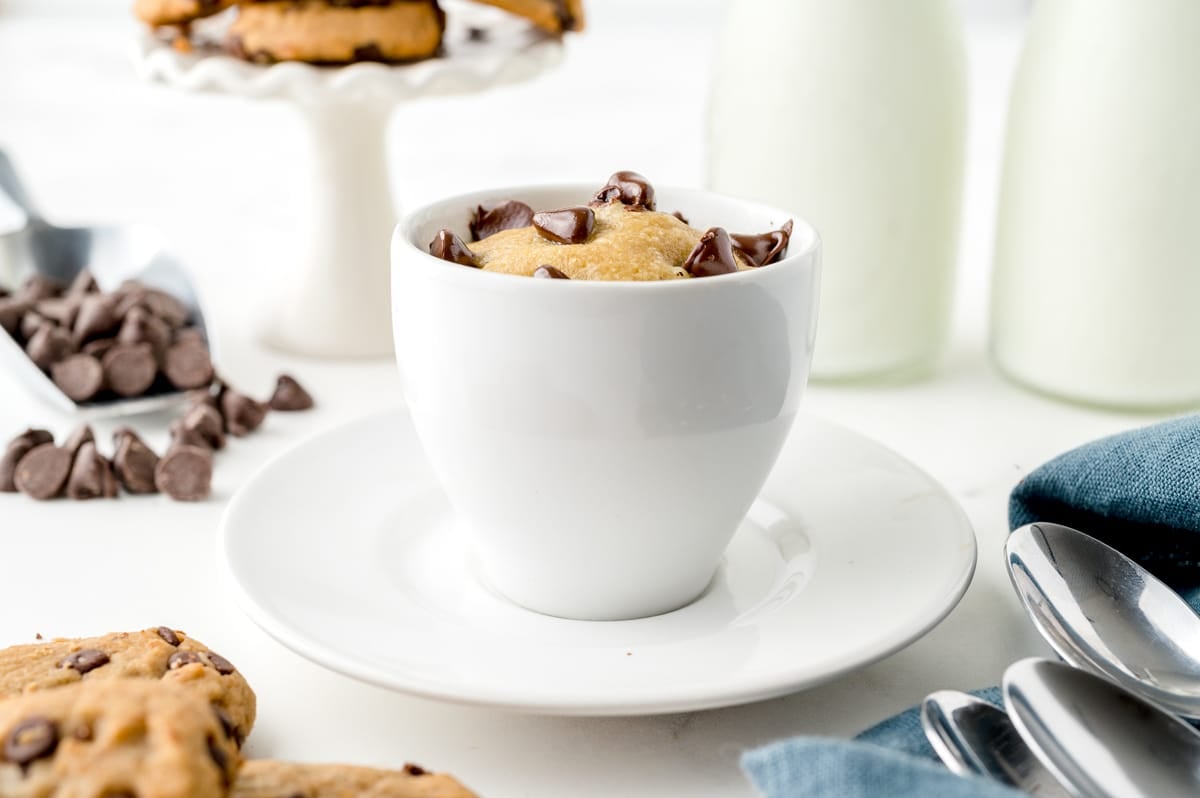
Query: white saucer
x=344, y=550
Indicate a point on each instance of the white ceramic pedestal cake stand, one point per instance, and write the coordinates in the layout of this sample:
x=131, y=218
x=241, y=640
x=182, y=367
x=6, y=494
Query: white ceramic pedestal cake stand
x=340, y=304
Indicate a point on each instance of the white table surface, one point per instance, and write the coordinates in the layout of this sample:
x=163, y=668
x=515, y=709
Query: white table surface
x=225, y=178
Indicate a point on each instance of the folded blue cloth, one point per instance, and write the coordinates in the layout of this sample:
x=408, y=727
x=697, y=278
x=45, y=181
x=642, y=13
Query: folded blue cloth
x=1138, y=491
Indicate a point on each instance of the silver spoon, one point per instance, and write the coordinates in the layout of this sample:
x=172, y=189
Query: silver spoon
x=1103, y=612
x=113, y=254
x=1098, y=738
x=975, y=738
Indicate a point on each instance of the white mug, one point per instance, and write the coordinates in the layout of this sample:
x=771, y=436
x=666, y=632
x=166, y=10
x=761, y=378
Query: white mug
x=601, y=441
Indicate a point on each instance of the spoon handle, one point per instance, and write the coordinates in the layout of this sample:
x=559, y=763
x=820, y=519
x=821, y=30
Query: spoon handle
x=12, y=186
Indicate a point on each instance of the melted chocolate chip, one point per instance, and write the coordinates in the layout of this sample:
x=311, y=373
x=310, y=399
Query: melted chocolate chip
x=368, y=52
x=85, y=661
x=227, y=725
x=489, y=219
x=415, y=770
x=169, y=635
x=712, y=256
x=222, y=665
x=680, y=217
x=447, y=246
x=547, y=272
x=182, y=658
x=219, y=758
x=766, y=248
x=567, y=226
x=628, y=188
x=30, y=740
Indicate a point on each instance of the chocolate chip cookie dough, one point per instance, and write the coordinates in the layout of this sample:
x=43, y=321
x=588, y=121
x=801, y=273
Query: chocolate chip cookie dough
x=337, y=31
x=133, y=737
x=552, y=16
x=177, y=12
x=160, y=654
x=268, y=779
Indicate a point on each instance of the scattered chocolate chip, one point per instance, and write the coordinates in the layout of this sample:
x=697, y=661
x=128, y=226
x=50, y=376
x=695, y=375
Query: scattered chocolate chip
x=83, y=284
x=289, y=395
x=204, y=421
x=180, y=658
x=766, y=248
x=141, y=327
x=85, y=661
x=712, y=256
x=17, y=448
x=182, y=436
x=680, y=217
x=549, y=272
x=99, y=348
x=42, y=472
x=78, y=437
x=91, y=476
x=129, y=369
x=185, y=473
x=36, y=288
x=49, y=345
x=415, y=770
x=222, y=665
x=30, y=740
x=12, y=310
x=188, y=365
x=62, y=311
x=628, y=188
x=31, y=322
x=169, y=636
x=79, y=376
x=242, y=414
x=493, y=217
x=567, y=226
x=447, y=246
x=134, y=463
x=97, y=317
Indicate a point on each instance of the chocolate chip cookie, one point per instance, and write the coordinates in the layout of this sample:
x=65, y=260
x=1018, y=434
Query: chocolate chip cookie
x=158, y=13
x=129, y=737
x=553, y=16
x=160, y=654
x=268, y=779
x=337, y=31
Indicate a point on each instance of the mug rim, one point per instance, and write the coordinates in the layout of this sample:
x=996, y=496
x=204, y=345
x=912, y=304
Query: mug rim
x=403, y=238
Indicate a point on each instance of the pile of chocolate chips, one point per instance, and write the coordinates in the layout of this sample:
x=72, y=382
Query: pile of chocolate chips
x=713, y=255
x=34, y=465
x=135, y=341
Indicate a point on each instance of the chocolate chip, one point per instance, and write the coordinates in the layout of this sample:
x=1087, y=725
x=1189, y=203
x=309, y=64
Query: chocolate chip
x=85, y=661
x=97, y=317
x=222, y=665
x=477, y=34
x=30, y=323
x=17, y=448
x=129, y=369
x=36, y=288
x=79, y=376
x=368, y=52
x=62, y=311
x=227, y=725
x=549, y=272
x=680, y=216
x=188, y=365
x=134, y=463
x=78, y=437
x=766, y=248
x=98, y=348
x=42, y=473
x=185, y=474
x=203, y=420
x=30, y=740
x=242, y=414
x=447, y=246
x=493, y=217
x=49, y=345
x=190, y=335
x=712, y=256
x=219, y=758
x=12, y=310
x=289, y=395
x=628, y=188
x=414, y=770
x=141, y=327
x=180, y=658
x=158, y=302
x=91, y=476
x=169, y=635
x=83, y=284
x=567, y=226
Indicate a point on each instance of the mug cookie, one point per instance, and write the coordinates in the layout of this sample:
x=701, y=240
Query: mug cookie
x=268, y=779
x=159, y=13
x=161, y=654
x=130, y=737
x=552, y=16
x=337, y=31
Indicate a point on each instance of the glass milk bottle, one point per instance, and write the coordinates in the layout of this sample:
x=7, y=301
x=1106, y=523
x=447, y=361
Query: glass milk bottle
x=1096, y=281
x=853, y=114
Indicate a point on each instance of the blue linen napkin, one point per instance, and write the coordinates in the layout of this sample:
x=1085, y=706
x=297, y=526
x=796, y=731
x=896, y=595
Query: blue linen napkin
x=1138, y=491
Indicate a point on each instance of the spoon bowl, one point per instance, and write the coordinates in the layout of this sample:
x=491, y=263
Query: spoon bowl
x=973, y=737
x=1100, y=739
x=1101, y=611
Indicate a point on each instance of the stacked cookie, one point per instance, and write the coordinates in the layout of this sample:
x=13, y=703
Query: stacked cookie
x=343, y=31
x=155, y=714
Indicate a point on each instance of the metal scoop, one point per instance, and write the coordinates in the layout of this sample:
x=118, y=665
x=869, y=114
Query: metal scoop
x=113, y=254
